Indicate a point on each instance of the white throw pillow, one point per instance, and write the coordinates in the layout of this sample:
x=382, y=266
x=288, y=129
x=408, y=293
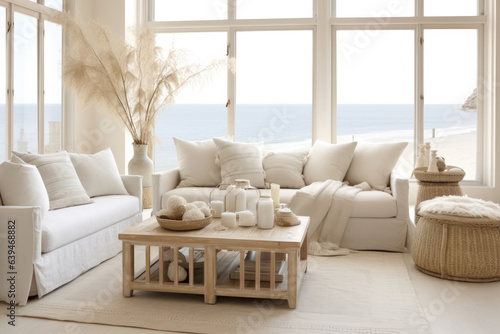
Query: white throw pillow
x=98, y=173
x=22, y=185
x=373, y=163
x=60, y=178
x=240, y=161
x=285, y=168
x=328, y=161
x=197, y=163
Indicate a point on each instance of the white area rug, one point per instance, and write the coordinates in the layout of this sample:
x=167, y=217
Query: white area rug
x=365, y=292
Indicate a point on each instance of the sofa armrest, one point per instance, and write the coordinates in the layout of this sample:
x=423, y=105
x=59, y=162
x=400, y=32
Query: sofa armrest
x=400, y=191
x=133, y=185
x=162, y=182
x=21, y=245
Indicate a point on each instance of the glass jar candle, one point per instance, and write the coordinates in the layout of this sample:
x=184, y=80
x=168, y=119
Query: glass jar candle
x=265, y=212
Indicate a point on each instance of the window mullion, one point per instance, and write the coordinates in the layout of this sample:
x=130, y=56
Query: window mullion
x=9, y=107
x=231, y=85
x=419, y=88
x=41, y=84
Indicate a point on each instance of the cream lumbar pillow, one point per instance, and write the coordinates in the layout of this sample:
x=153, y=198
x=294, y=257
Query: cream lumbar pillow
x=197, y=163
x=60, y=178
x=328, y=161
x=240, y=161
x=285, y=168
x=98, y=173
x=22, y=185
x=373, y=163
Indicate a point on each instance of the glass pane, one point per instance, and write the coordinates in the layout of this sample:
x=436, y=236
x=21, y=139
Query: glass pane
x=450, y=7
x=450, y=72
x=198, y=113
x=274, y=88
x=375, y=89
x=25, y=84
x=3, y=88
x=53, y=87
x=190, y=10
x=375, y=8
x=54, y=4
x=274, y=9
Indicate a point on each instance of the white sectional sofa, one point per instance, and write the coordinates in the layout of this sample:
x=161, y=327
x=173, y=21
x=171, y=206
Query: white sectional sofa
x=379, y=219
x=53, y=247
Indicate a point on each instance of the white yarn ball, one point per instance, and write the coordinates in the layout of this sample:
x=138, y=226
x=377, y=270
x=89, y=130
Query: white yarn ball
x=200, y=204
x=193, y=214
x=191, y=206
x=181, y=272
x=175, y=201
x=206, y=211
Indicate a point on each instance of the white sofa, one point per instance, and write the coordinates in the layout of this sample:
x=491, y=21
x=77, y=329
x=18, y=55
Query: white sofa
x=54, y=248
x=379, y=220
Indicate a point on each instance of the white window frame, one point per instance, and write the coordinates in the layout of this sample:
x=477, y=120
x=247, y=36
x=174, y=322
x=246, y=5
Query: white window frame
x=324, y=25
x=42, y=14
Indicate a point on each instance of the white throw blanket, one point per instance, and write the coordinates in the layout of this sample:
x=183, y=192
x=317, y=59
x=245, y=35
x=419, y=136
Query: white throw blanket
x=329, y=204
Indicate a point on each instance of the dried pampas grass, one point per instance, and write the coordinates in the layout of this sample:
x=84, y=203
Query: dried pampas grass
x=135, y=83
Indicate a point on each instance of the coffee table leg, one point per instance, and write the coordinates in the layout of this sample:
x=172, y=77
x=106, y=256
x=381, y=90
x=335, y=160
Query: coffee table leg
x=292, y=278
x=210, y=275
x=128, y=268
x=303, y=252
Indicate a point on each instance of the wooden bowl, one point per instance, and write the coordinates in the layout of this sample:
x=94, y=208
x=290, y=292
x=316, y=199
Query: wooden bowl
x=183, y=225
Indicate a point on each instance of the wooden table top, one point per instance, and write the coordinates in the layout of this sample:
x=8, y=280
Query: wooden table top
x=215, y=234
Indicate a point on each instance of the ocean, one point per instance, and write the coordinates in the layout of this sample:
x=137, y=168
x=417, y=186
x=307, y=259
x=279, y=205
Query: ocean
x=270, y=123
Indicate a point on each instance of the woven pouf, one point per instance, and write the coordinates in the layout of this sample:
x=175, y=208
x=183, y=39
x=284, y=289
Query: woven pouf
x=458, y=238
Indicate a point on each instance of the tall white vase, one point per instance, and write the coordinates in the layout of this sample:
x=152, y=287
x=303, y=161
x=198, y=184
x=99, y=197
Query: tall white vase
x=141, y=164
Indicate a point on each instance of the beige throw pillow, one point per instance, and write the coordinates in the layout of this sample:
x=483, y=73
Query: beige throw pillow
x=373, y=163
x=197, y=163
x=98, y=173
x=328, y=161
x=22, y=185
x=60, y=178
x=240, y=161
x=285, y=168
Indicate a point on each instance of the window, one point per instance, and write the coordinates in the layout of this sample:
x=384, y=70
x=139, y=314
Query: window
x=371, y=71
x=3, y=89
x=375, y=94
x=25, y=83
x=274, y=88
x=198, y=113
x=31, y=86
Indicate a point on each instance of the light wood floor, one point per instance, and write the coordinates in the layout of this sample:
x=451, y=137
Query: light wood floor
x=450, y=307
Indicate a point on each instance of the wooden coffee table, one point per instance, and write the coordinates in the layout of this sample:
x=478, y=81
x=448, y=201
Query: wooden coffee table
x=224, y=252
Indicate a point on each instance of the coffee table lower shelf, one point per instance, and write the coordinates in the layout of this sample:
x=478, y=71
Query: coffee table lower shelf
x=279, y=277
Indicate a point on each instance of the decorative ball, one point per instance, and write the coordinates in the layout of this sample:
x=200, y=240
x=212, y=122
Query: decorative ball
x=181, y=272
x=200, y=204
x=175, y=201
x=191, y=206
x=206, y=211
x=176, y=207
x=441, y=164
x=193, y=214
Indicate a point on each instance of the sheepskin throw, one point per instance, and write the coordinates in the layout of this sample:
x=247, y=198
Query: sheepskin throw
x=462, y=206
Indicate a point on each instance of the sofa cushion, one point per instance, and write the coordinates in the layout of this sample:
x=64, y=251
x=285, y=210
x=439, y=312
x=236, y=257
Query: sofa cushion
x=240, y=161
x=374, y=204
x=98, y=173
x=328, y=161
x=373, y=163
x=60, y=178
x=197, y=163
x=285, y=168
x=61, y=227
x=22, y=185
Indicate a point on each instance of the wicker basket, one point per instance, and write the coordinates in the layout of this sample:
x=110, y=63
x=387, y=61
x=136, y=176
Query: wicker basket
x=183, y=225
x=446, y=176
x=457, y=248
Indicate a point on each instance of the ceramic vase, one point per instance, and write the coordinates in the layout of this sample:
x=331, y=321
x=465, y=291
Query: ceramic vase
x=141, y=164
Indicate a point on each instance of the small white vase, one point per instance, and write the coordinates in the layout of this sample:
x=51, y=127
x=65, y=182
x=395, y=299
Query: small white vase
x=141, y=164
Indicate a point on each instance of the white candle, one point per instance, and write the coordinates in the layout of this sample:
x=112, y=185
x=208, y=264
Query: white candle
x=218, y=207
x=265, y=217
x=246, y=218
x=228, y=219
x=275, y=194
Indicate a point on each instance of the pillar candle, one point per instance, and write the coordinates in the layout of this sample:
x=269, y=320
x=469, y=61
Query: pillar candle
x=228, y=219
x=218, y=207
x=275, y=194
x=246, y=218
